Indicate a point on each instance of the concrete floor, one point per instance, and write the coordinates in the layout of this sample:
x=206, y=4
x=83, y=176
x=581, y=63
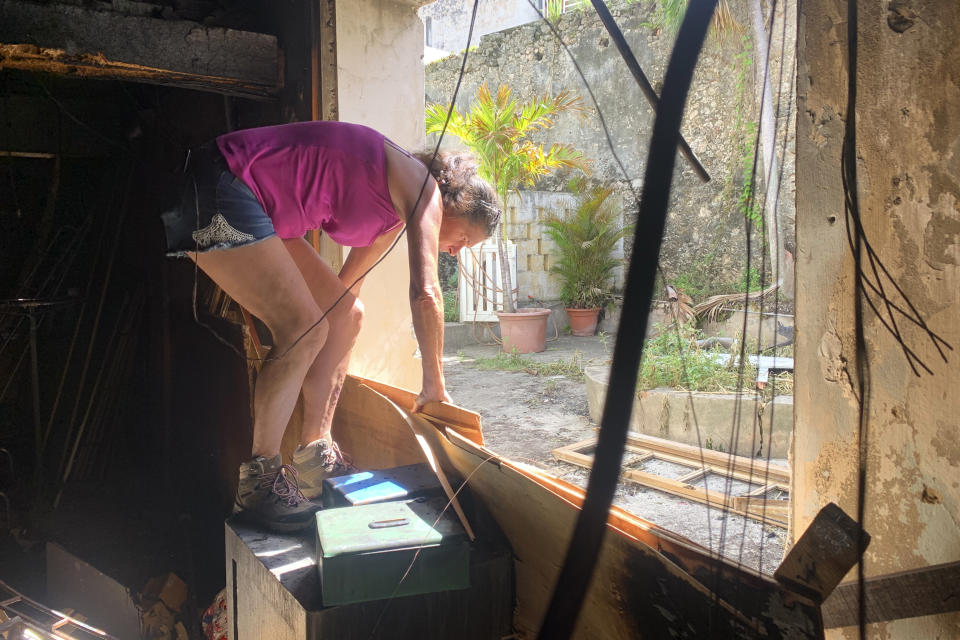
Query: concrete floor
x=526, y=416
x=560, y=347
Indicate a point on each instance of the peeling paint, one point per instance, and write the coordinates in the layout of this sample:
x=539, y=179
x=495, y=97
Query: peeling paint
x=940, y=238
x=908, y=150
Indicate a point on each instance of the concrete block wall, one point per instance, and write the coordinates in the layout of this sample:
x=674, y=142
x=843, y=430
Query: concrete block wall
x=535, y=251
x=764, y=428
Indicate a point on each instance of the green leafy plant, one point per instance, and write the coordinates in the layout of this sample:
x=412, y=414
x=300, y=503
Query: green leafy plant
x=673, y=359
x=451, y=310
x=497, y=129
x=750, y=280
x=586, y=238
x=553, y=10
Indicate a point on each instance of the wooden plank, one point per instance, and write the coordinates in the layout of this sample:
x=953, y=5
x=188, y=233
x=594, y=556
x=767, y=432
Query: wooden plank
x=328, y=100
x=28, y=57
x=693, y=476
x=823, y=555
x=757, y=477
x=638, y=589
x=370, y=431
x=416, y=426
x=178, y=47
x=778, y=510
x=703, y=495
x=712, y=458
x=466, y=423
x=679, y=487
x=754, y=593
x=906, y=594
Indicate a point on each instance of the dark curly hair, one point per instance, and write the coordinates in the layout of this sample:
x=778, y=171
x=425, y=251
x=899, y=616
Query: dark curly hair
x=465, y=194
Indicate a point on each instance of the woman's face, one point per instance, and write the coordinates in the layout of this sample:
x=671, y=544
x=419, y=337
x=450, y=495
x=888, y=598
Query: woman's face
x=457, y=233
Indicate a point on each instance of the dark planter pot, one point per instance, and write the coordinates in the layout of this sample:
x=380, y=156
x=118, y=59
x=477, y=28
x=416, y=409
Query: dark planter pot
x=583, y=322
x=524, y=331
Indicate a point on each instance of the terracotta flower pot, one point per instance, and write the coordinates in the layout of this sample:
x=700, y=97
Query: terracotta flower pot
x=524, y=331
x=583, y=322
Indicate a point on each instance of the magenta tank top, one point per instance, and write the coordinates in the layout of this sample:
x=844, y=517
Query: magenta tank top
x=316, y=175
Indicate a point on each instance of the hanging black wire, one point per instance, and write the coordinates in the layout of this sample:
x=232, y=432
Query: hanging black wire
x=584, y=546
x=852, y=210
x=751, y=204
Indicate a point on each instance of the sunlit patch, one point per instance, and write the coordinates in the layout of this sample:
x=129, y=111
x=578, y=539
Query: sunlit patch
x=292, y=566
x=278, y=552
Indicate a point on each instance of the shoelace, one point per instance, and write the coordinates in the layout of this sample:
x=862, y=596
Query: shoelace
x=333, y=457
x=284, y=484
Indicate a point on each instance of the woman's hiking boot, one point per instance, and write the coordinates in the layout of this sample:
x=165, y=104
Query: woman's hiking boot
x=269, y=495
x=318, y=461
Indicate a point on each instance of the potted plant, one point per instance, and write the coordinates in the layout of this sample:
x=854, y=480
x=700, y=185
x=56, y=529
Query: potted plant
x=497, y=129
x=586, y=238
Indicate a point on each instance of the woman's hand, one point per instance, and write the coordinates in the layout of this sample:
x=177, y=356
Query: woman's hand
x=427, y=396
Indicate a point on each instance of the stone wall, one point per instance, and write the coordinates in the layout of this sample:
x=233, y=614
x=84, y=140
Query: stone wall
x=705, y=236
x=908, y=127
x=450, y=20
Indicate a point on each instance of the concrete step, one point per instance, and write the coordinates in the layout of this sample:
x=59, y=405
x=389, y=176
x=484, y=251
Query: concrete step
x=764, y=427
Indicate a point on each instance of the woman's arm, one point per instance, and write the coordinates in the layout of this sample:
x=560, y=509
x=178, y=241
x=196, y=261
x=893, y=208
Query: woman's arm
x=362, y=258
x=426, y=297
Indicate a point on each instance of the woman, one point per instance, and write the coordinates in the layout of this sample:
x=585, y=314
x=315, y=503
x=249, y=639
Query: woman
x=252, y=196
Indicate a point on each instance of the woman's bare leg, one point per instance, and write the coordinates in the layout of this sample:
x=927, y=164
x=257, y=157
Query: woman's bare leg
x=324, y=379
x=264, y=278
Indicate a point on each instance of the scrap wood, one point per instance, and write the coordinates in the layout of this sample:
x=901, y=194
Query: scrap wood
x=773, y=473
x=905, y=594
x=168, y=589
x=826, y=551
x=682, y=487
x=647, y=572
x=418, y=431
x=518, y=508
x=444, y=415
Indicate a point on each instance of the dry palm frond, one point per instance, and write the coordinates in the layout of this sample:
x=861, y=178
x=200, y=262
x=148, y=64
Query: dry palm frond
x=669, y=14
x=711, y=306
x=681, y=309
x=724, y=23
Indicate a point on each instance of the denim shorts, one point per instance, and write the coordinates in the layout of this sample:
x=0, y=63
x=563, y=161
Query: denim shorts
x=217, y=210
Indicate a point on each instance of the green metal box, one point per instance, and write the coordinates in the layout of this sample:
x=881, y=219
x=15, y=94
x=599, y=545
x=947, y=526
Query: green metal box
x=389, y=549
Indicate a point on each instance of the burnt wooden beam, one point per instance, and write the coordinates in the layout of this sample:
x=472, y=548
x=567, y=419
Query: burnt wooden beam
x=907, y=594
x=826, y=551
x=76, y=41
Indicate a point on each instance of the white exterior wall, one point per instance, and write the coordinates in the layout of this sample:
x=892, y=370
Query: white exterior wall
x=380, y=84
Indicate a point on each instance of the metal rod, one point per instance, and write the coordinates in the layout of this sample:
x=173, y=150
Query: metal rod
x=27, y=154
x=35, y=383
x=105, y=366
x=97, y=316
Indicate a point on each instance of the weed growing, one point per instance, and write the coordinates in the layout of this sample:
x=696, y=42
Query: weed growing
x=572, y=369
x=673, y=359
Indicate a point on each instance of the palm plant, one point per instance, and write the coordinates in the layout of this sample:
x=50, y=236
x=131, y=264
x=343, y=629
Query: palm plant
x=497, y=129
x=669, y=14
x=586, y=238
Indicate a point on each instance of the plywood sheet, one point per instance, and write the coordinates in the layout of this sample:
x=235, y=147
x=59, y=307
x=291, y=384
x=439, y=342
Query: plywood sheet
x=637, y=591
